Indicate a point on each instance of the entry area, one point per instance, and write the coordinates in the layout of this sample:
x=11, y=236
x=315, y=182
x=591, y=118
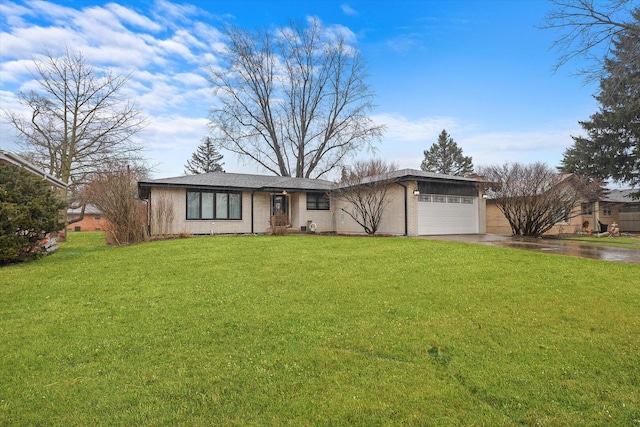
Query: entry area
x=280, y=210
x=440, y=214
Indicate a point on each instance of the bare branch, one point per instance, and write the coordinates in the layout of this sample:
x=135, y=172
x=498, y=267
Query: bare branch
x=294, y=102
x=79, y=119
x=364, y=187
x=587, y=29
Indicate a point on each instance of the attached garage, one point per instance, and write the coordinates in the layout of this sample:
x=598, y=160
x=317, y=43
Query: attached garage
x=447, y=208
x=447, y=214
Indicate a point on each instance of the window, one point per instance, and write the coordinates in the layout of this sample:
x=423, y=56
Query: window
x=424, y=198
x=606, y=211
x=587, y=209
x=440, y=199
x=96, y=217
x=562, y=216
x=467, y=200
x=317, y=202
x=453, y=199
x=214, y=205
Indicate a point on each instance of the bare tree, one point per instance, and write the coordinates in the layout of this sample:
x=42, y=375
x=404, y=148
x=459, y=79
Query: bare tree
x=295, y=101
x=79, y=118
x=587, y=29
x=114, y=191
x=364, y=187
x=534, y=197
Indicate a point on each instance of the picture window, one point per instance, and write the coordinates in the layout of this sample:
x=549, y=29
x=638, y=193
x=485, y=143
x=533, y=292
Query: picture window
x=214, y=205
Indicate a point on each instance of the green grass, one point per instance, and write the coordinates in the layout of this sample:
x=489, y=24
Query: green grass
x=305, y=330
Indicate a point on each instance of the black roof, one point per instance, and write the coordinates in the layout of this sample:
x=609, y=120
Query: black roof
x=236, y=181
x=621, y=196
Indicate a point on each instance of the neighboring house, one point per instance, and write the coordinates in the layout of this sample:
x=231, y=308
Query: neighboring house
x=92, y=220
x=616, y=207
x=7, y=157
x=420, y=203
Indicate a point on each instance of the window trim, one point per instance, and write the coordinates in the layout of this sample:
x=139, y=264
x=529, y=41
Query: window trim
x=562, y=216
x=214, y=206
x=315, y=197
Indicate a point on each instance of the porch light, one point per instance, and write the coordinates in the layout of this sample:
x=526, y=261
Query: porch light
x=284, y=192
x=416, y=192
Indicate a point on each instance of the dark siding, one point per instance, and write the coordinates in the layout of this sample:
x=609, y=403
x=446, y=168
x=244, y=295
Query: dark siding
x=461, y=189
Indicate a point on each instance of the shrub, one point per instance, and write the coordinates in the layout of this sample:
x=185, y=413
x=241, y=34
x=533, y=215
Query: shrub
x=114, y=192
x=29, y=210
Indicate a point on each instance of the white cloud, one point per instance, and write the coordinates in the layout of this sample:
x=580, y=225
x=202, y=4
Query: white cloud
x=399, y=128
x=131, y=17
x=15, y=71
x=13, y=13
x=171, y=131
x=523, y=147
x=60, y=14
x=192, y=80
x=406, y=139
x=348, y=10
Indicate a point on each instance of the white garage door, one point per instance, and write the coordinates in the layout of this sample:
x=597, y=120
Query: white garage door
x=440, y=214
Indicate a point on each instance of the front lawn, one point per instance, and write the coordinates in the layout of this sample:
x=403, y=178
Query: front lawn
x=311, y=330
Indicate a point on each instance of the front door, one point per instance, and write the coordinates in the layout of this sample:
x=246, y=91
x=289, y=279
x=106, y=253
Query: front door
x=280, y=209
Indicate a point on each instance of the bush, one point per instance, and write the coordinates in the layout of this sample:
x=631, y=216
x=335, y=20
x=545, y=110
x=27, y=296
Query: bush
x=115, y=193
x=29, y=210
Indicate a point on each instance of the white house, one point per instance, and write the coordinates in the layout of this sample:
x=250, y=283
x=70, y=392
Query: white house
x=420, y=203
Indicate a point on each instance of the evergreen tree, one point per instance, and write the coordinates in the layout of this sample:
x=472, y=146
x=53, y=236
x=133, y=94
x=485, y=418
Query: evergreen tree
x=446, y=157
x=29, y=210
x=611, y=149
x=206, y=159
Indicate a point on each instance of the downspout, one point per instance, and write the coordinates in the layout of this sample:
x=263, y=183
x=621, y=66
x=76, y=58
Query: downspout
x=149, y=214
x=252, y=193
x=406, y=209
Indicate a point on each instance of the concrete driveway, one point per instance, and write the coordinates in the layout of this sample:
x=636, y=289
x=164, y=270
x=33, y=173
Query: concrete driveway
x=561, y=247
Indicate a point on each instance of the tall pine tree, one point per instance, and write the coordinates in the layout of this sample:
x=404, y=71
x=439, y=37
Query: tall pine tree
x=206, y=159
x=446, y=157
x=611, y=149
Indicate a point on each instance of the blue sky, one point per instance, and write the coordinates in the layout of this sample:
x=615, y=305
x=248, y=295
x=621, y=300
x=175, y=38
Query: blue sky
x=480, y=69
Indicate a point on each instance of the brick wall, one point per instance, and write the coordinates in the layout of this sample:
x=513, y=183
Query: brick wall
x=90, y=222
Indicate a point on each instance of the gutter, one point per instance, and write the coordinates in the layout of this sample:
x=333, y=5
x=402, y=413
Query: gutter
x=19, y=161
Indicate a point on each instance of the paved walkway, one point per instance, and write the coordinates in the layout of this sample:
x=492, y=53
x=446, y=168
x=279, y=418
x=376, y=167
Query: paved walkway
x=562, y=247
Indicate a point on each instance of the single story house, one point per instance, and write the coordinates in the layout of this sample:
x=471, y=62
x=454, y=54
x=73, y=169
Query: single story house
x=93, y=220
x=420, y=203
